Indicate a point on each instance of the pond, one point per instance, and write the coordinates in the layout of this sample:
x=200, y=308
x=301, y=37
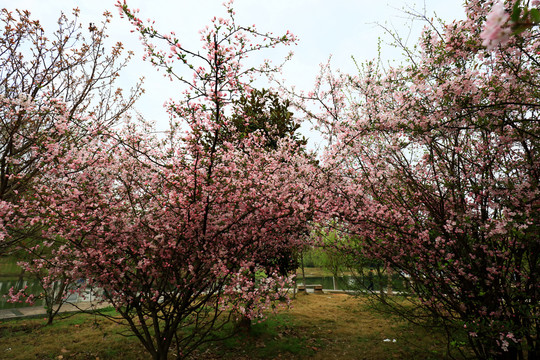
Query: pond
x=329, y=282
x=354, y=283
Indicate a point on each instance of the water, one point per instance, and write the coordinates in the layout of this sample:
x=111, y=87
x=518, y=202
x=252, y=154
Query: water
x=354, y=283
x=341, y=283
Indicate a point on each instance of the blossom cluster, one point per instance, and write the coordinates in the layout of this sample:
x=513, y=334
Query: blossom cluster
x=497, y=29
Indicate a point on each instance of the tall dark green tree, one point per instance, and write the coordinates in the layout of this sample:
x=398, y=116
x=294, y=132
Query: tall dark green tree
x=265, y=112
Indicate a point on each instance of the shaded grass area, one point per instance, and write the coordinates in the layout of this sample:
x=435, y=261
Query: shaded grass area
x=78, y=337
x=328, y=326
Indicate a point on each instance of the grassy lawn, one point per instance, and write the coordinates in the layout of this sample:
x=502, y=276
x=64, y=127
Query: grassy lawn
x=328, y=326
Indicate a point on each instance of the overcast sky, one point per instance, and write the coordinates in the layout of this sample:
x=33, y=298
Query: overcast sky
x=340, y=28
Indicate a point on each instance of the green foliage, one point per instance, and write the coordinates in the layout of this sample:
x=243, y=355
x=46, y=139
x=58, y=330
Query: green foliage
x=314, y=257
x=331, y=249
x=9, y=267
x=523, y=18
x=265, y=112
x=535, y=15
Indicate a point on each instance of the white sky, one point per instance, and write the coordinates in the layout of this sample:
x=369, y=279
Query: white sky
x=340, y=28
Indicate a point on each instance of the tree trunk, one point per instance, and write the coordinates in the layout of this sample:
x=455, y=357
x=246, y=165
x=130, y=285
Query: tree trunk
x=381, y=287
x=243, y=324
x=389, y=287
x=303, y=272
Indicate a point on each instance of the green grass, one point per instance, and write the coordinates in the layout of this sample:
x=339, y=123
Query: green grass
x=317, y=327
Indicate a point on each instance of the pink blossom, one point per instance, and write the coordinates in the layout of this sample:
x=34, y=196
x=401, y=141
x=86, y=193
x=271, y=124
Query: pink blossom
x=496, y=29
x=19, y=296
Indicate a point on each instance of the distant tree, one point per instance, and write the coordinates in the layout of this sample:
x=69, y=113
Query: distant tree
x=265, y=112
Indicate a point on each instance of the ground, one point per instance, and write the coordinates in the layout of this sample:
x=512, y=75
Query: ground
x=328, y=326
x=338, y=326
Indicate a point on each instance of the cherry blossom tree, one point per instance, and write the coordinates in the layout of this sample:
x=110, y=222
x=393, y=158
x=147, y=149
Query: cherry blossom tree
x=48, y=84
x=55, y=86
x=173, y=229
x=435, y=172
x=172, y=252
